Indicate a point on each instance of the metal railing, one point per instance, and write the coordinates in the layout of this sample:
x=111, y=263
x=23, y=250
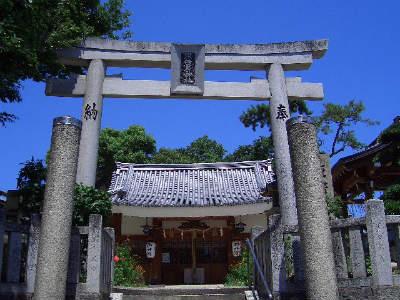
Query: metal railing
x=258, y=268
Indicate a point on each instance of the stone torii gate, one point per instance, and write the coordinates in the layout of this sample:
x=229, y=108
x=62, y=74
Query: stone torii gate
x=187, y=63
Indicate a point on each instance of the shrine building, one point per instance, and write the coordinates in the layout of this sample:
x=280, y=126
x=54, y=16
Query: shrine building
x=196, y=216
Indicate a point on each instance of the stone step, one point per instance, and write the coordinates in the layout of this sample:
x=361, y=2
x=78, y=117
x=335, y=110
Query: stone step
x=186, y=297
x=208, y=289
x=180, y=292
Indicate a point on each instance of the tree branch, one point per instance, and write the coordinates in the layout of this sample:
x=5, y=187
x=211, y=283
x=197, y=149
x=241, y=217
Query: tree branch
x=335, y=139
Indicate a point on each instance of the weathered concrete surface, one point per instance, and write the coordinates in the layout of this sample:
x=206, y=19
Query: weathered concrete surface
x=256, y=89
x=92, y=110
x=33, y=246
x=339, y=254
x=293, y=55
x=279, y=112
x=317, y=47
x=315, y=234
x=55, y=231
x=326, y=174
x=378, y=243
x=357, y=256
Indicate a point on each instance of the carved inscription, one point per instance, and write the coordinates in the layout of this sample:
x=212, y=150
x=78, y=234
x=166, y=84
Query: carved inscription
x=281, y=112
x=188, y=64
x=90, y=112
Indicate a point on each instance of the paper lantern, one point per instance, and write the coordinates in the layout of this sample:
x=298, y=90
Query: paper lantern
x=236, y=248
x=150, y=249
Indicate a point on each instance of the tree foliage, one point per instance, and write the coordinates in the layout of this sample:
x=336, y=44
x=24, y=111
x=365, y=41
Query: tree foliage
x=132, y=145
x=200, y=150
x=390, y=135
x=259, y=115
x=204, y=149
x=31, y=33
x=171, y=156
x=339, y=119
x=87, y=201
x=31, y=184
x=261, y=148
x=335, y=119
x=392, y=193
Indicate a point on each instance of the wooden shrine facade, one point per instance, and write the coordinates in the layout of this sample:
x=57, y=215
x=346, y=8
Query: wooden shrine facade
x=359, y=173
x=193, y=213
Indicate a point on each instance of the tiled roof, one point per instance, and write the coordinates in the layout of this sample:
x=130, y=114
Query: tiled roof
x=179, y=185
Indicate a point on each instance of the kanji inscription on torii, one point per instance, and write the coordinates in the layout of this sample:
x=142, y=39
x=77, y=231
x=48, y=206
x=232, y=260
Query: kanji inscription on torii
x=187, y=69
x=281, y=113
x=188, y=64
x=90, y=112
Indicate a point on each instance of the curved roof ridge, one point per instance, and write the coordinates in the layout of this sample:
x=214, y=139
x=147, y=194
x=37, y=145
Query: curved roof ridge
x=214, y=165
x=196, y=185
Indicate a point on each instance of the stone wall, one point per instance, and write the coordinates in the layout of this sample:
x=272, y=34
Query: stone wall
x=355, y=240
x=20, y=270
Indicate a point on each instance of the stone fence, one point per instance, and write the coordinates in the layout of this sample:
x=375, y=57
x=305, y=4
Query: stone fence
x=364, y=257
x=90, y=271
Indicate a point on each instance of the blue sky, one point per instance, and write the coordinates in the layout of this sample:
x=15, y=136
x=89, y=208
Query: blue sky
x=361, y=63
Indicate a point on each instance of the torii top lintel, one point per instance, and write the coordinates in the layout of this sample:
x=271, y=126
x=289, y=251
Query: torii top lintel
x=116, y=53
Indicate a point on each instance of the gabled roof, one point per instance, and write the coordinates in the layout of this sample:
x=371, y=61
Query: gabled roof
x=193, y=185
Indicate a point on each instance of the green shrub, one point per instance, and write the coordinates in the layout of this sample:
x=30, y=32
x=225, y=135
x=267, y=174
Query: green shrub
x=392, y=207
x=392, y=193
x=288, y=244
x=127, y=270
x=89, y=200
x=238, y=273
x=335, y=206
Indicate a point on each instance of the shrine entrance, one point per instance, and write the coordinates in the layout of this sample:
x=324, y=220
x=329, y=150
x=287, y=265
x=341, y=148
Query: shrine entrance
x=195, y=261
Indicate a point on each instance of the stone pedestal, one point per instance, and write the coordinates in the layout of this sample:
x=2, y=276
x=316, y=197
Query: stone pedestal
x=279, y=109
x=91, y=120
x=320, y=273
x=378, y=243
x=357, y=252
x=55, y=231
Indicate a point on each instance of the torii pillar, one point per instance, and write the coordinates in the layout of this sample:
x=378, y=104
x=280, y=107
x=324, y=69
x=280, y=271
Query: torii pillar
x=91, y=121
x=279, y=110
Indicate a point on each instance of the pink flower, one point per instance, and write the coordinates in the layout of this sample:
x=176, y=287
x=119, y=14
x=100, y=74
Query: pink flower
x=116, y=258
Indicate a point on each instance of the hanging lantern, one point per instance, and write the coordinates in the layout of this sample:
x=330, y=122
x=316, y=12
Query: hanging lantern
x=236, y=248
x=147, y=228
x=239, y=227
x=150, y=249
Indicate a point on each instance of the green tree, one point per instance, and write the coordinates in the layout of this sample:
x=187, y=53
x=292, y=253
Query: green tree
x=204, y=149
x=340, y=120
x=261, y=148
x=87, y=201
x=132, y=145
x=171, y=156
x=200, y=150
x=31, y=184
x=31, y=33
x=391, y=155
